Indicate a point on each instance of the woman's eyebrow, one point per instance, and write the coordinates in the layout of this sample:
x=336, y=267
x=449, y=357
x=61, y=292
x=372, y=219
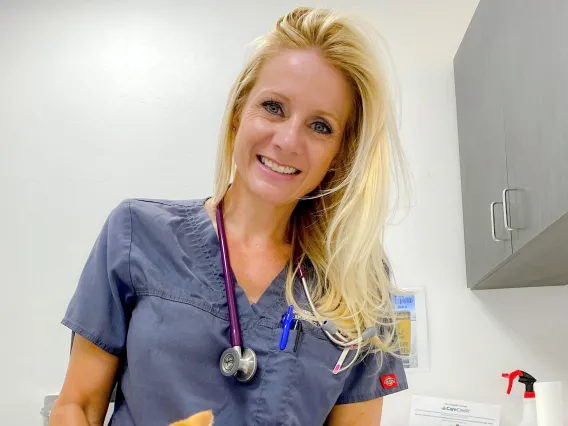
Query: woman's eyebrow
x=324, y=114
x=275, y=94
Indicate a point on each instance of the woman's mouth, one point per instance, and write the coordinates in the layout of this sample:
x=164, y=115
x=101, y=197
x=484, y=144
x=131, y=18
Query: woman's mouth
x=278, y=168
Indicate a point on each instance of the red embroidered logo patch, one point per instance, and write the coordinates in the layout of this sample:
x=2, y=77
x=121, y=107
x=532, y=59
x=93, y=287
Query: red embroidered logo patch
x=389, y=381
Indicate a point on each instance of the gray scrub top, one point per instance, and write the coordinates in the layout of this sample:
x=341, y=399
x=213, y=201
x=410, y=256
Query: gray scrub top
x=152, y=293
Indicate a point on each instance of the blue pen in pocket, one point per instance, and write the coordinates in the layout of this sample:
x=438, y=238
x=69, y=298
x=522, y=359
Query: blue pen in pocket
x=286, y=325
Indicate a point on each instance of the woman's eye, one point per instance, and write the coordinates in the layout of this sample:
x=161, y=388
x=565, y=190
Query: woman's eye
x=273, y=107
x=321, y=127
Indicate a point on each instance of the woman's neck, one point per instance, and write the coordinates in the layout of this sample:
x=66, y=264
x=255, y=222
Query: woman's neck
x=254, y=220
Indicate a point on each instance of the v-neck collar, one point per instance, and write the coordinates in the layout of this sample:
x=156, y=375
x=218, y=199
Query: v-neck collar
x=271, y=304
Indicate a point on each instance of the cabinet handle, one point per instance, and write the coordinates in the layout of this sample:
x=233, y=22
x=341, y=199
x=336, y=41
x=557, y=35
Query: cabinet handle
x=492, y=212
x=506, y=216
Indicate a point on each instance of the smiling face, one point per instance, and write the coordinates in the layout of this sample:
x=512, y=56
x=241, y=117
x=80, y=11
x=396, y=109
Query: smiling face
x=291, y=126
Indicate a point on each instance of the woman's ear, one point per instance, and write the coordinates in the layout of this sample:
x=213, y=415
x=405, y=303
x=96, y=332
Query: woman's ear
x=332, y=165
x=235, y=123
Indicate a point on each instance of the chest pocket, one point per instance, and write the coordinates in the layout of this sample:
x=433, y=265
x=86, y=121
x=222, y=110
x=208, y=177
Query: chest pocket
x=311, y=389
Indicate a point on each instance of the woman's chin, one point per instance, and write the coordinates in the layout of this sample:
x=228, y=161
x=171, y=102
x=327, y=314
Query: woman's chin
x=275, y=194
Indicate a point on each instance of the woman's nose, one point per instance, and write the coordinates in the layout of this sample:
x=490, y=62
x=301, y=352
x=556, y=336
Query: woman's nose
x=288, y=136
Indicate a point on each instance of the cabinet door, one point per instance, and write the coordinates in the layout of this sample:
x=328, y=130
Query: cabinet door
x=536, y=116
x=478, y=81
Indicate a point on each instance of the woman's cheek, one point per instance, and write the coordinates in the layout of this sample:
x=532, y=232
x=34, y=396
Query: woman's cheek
x=262, y=125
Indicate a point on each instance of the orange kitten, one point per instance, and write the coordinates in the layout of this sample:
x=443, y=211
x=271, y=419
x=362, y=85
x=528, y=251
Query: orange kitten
x=204, y=418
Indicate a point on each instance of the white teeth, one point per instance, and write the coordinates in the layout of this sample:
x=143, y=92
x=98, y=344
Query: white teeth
x=277, y=168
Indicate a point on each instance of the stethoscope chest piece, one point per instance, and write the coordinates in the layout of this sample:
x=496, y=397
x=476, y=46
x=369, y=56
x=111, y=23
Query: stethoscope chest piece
x=240, y=365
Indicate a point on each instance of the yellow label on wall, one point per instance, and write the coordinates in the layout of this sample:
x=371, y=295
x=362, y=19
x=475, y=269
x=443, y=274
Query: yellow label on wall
x=403, y=331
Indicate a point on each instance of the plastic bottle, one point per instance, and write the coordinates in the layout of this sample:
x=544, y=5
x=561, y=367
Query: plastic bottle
x=529, y=403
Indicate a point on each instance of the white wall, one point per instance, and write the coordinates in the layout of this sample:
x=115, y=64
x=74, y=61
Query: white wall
x=100, y=101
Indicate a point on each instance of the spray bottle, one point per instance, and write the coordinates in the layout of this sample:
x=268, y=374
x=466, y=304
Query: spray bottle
x=529, y=404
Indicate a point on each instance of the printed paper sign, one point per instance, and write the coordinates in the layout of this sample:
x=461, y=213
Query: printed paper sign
x=427, y=411
x=411, y=329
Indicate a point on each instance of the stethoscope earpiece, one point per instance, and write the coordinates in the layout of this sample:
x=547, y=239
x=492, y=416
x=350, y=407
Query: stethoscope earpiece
x=242, y=366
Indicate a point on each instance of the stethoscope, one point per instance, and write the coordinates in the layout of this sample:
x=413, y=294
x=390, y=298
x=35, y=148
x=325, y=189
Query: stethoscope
x=242, y=363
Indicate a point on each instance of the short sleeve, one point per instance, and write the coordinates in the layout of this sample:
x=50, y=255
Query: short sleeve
x=100, y=307
x=371, y=378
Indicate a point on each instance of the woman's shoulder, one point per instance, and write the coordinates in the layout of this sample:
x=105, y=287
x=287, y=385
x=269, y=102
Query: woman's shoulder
x=154, y=205
x=149, y=215
x=158, y=209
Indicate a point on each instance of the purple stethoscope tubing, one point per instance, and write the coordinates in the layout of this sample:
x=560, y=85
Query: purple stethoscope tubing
x=234, y=326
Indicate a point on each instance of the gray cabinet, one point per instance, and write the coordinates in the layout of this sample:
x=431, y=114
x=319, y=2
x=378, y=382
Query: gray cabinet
x=511, y=76
x=483, y=159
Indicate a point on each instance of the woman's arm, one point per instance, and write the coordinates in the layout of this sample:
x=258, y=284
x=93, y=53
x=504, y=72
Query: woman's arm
x=366, y=413
x=84, y=399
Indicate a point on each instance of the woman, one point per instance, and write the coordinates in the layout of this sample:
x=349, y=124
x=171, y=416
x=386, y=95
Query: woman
x=302, y=179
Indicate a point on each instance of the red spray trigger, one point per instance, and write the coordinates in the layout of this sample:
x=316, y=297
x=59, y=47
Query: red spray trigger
x=524, y=378
x=511, y=376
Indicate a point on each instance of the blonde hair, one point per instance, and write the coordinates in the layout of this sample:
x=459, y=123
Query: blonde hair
x=338, y=228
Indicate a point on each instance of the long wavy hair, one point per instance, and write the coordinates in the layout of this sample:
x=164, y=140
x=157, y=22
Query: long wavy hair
x=338, y=229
